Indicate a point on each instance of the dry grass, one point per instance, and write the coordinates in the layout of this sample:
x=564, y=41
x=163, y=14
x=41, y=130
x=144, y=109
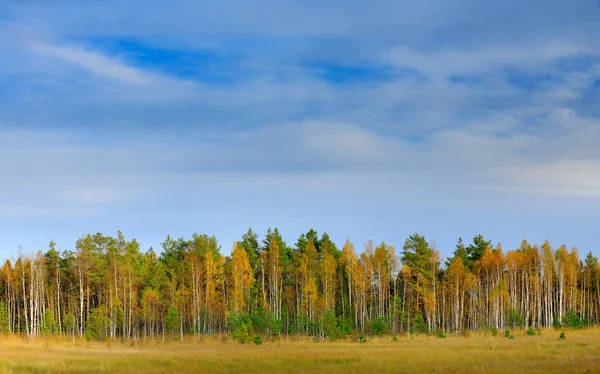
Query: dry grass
x=480, y=352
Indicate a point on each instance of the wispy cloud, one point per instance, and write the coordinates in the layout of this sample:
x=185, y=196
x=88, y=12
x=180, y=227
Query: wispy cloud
x=93, y=62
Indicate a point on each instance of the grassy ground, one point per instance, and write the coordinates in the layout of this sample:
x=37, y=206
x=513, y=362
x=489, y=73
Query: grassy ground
x=480, y=352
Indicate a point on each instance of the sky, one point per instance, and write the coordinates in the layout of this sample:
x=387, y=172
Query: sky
x=368, y=120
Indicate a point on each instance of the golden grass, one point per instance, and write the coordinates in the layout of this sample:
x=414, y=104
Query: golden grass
x=480, y=352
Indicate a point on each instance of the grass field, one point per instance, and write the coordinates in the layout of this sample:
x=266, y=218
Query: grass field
x=479, y=352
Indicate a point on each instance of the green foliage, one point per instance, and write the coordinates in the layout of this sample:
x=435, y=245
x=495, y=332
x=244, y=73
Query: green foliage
x=476, y=250
x=240, y=326
x=257, y=340
x=418, y=325
x=330, y=326
x=362, y=338
x=379, y=326
x=506, y=333
x=459, y=252
x=562, y=336
x=97, y=324
x=172, y=319
x=531, y=331
x=274, y=327
x=440, y=334
x=243, y=333
x=572, y=320
x=416, y=253
x=556, y=323
x=49, y=325
x=250, y=244
x=285, y=252
x=346, y=326
x=494, y=331
x=4, y=323
x=70, y=323
x=394, y=338
x=514, y=319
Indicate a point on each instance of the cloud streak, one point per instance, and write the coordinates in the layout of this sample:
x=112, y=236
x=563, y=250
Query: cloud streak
x=93, y=62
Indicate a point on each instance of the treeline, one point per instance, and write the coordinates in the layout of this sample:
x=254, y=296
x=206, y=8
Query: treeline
x=107, y=288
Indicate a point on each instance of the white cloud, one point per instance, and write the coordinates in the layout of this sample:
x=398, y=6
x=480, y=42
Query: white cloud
x=567, y=178
x=94, y=62
x=443, y=62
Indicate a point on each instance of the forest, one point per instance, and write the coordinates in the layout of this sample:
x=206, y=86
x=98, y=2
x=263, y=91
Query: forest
x=107, y=288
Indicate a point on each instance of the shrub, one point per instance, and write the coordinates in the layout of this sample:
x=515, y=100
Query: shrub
x=362, y=338
x=242, y=333
x=172, y=320
x=440, y=334
x=49, y=324
x=562, y=335
x=494, y=331
x=531, y=331
x=571, y=320
x=258, y=340
x=345, y=326
x=97, y=324
x=330, y=326
x=395, y=339
x=556, y=323
x=4, y=322
x=274, y=326
x=514, y=319
x=419, y=324
x=379, y=326
x=506, y=333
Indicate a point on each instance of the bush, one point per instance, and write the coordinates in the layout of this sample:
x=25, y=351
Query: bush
x=571, y=320
x=172, y=320
x=506, y=333
x=379, y=327
x=531, y=331
x=258, y=340
x=346, y=326
x=514, y=319
x=4, y=322
x=240, y=325
x=418, y=325
x=440, y=334
x=362, y=338
x=395, y=339
x=242, y=333
x=330, y=326
x=556, y=323
x=98, y=323
x=562, y=335
x=49, y=325
x=274, y=327
x=494, y=331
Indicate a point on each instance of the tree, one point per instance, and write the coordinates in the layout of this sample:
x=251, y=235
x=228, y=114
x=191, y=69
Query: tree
x=476, y=250
x=459, y=252
x=418, y=256
x=242, y=278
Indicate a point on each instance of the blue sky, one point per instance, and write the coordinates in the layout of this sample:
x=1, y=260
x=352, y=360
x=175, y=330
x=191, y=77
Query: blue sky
x=365, y=119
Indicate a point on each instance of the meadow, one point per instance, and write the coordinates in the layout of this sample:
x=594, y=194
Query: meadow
x=478, y=352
